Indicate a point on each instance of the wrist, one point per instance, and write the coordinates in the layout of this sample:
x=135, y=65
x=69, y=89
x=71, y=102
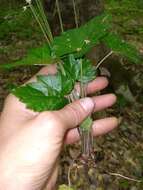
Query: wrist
x=14, y=178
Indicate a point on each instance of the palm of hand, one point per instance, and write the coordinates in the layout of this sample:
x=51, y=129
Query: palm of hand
x=33, y=141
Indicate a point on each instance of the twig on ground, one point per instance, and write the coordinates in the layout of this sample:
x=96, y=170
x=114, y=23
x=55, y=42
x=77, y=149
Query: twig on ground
x=125, y=177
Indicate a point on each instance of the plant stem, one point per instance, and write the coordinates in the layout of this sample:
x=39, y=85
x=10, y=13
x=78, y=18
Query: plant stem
x=86, y=137
x=108, y=55
x=75, y=13
x=62, y=68
x=125, y=177
x=44, y=19
x=59, y=14
x=85, y=127
x=38, y=21
x=81, y=83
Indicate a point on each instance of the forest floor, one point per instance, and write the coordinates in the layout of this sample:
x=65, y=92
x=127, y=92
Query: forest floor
x=119, y=154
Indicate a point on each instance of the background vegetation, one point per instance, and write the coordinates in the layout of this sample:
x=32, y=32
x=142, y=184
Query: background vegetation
x=120, y=152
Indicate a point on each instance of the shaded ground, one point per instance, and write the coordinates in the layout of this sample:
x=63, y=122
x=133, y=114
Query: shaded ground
x=120, y=152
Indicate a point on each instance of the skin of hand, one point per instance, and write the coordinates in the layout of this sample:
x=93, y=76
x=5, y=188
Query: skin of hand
x=30, y=142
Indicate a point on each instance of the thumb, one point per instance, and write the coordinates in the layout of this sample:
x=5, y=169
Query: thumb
x=73, y=114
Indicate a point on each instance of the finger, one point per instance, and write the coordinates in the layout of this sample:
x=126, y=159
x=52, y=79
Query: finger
x=50, y=69
x=104, y=125
x=96, y=85
x=100, y=127
x=73, y=114
x=104, y=101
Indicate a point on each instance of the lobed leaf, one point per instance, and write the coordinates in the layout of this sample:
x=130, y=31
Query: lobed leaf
x=40, y=87
x=52, y=81
x=88, y=71
x=118, y=45
x=80, y=41
x=39, y=56
x=73, y=67
x=67, y=84
x=37, y=101
x=48, y=93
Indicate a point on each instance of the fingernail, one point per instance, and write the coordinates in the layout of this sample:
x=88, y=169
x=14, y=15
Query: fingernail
x=87, y=104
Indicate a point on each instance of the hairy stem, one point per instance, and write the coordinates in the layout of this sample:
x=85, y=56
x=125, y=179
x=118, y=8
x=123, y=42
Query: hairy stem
x=81, y=83
x=38, y=21
x=75, y=13
x=85, y=128
x=60, y=16
x=62, y=68
x=44, y=19
x=86, y=137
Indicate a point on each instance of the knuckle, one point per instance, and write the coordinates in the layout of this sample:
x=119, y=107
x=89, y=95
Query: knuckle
x=77, y=113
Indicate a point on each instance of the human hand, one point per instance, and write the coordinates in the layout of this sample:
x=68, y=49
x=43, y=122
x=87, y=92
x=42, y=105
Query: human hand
x=30, y=142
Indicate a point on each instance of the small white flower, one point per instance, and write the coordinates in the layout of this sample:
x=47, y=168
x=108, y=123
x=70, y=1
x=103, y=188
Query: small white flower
x=87, y=41
x=78, y=49
x=24, y=8
x=28, y=1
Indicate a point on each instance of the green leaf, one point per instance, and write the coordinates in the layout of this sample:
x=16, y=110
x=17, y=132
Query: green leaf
x=65, y=187
x=80, y=41
x=37, y=101
x=39, y=56
x=73, y=67
x=88, y=71
x=47, y=93
x=118, y=45
x=52, y=81
x=67, y=84
x=77, y=41
x=40, y=87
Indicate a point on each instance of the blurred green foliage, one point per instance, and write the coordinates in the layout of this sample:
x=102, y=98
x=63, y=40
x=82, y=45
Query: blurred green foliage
x=127, y=16
x=17, y=23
